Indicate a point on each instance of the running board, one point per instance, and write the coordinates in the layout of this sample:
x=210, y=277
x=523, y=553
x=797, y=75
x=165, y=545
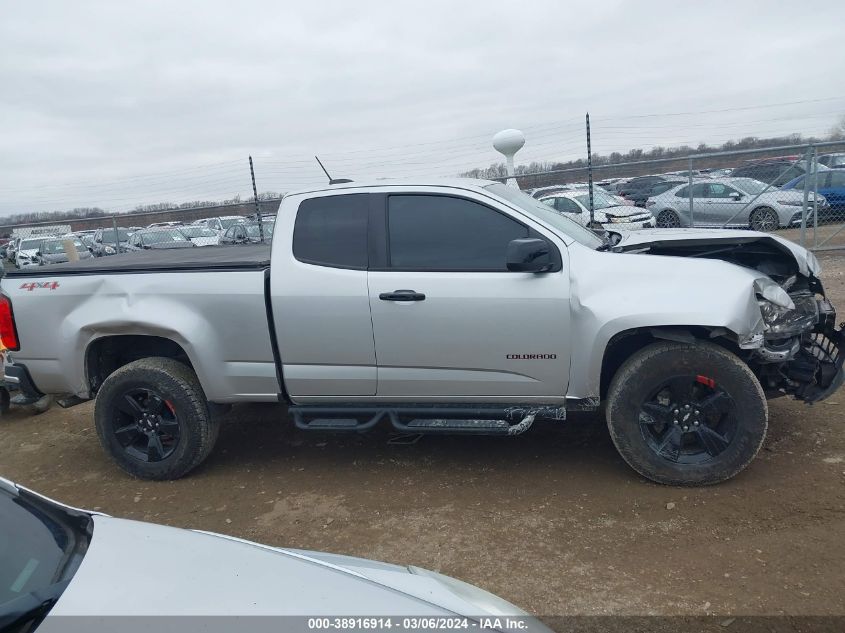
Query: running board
x=421, y=419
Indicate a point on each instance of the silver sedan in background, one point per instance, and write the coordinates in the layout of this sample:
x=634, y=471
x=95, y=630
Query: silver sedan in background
x=730, y=202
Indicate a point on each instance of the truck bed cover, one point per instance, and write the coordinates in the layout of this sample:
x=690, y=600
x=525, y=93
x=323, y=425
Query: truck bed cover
x=223, y=258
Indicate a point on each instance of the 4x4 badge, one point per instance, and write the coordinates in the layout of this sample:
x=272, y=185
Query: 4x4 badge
x=40, y=285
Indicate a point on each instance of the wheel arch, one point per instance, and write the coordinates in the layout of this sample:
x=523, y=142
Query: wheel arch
x=107, y=354
x=626, y=343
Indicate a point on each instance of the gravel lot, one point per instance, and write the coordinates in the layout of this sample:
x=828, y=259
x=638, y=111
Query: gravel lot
x=553, y=520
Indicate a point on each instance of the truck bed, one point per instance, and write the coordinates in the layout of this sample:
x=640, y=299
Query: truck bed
x=223, y=258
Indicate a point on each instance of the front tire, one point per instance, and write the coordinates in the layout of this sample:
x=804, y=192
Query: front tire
x=764, y=219
x=152, y=419
x=668, y=219
x=686, y=414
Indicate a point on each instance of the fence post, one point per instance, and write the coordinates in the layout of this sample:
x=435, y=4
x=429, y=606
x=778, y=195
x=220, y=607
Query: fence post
x=689, y=174
x=807, y=176
x=116, y=237
x=815, y=197
x=257, y=206
x=590, y=172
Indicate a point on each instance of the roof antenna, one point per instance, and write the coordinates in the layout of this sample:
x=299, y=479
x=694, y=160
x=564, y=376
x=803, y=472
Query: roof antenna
x=332, y=181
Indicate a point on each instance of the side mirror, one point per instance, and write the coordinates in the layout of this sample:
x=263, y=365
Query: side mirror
x=529, y=255
x=38, y=253
x=735, y=195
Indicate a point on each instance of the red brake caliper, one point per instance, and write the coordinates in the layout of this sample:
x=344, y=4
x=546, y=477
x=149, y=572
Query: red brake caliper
x=704, y=380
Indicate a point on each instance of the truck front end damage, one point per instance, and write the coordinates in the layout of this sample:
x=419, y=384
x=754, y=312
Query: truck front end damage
x=796, y=349
x=801, y=352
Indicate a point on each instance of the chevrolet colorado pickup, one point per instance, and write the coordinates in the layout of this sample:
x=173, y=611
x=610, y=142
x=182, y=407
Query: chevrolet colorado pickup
x=460, y=306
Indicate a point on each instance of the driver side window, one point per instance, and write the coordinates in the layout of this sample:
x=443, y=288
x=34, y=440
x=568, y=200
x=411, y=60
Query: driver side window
x=566, y=205
x=718, y=190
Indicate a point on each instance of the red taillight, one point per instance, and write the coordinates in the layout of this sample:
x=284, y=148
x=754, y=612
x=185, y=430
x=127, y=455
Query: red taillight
x=8, y=332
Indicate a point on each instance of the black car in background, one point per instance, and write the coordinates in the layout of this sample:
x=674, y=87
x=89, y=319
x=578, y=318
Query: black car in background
x=108, y=242
x=775, y=172
x=247, y=233
x=158, y=238
x=637, y=189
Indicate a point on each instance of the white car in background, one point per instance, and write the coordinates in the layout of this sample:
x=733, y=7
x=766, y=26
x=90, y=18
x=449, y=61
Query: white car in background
x=60, y=563
x=25, y=254
x=200, y=235
x=608, y=213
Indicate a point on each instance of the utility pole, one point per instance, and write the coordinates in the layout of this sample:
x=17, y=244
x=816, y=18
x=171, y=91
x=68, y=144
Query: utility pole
x=590, y=171
x=257, y=206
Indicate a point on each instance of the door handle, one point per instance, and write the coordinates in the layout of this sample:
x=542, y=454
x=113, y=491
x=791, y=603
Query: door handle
x=402, y=295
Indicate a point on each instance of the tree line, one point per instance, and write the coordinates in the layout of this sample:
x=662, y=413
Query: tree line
x=81, y=213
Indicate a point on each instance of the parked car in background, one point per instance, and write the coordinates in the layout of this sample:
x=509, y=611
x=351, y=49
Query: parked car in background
x=636, y=187
x=53, y=251
x=200, y=235
x=732, y=202
x=247, y=233
x=639, y=196
x=160, y=238
x=830, y=184
x=26, y=252
x=157, y=225
x=832, y=160
x=108, y=241
x=719, y=172
x=607, y=213
x=59, y=564
x=222, y=223
x=11, y=249
x=776, y=172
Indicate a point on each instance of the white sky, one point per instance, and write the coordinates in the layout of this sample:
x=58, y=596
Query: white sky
x=113, y=104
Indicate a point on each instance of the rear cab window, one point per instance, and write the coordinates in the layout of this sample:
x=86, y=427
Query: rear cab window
x=332, y=231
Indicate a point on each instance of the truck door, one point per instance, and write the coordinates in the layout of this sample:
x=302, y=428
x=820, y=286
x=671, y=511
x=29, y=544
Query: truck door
x=318, y=290
x=450, y=321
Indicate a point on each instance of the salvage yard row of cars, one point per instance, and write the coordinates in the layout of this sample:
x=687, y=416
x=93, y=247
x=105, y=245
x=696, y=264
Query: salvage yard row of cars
x=43, y=250
x=764, y=195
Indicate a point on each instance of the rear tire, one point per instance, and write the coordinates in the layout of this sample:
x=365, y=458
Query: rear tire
x=764, y=219
x=152, y=419
x=668, y=219
x=686, y=414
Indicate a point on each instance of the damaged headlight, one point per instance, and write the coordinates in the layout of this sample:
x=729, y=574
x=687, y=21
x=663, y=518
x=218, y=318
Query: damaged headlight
x=785, y=315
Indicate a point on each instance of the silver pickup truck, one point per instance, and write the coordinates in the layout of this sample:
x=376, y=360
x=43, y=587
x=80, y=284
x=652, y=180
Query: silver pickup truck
x=460, y=306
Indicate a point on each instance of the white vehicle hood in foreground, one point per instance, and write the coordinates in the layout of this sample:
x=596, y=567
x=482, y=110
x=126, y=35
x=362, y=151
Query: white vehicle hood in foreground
x=142, y=569
x=643, y=239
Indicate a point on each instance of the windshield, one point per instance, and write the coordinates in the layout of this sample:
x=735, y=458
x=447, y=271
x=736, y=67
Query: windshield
x=56, y=246
x=227, y=222
x=542, y=212
x=600, y=201
x=41, y=544
x=750, y=186
x=198, y=231
x=123, y=234
x=30, y=245
x=163, y=236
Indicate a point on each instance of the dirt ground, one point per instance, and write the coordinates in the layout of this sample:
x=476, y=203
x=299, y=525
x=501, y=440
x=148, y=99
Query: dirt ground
x=552, y=520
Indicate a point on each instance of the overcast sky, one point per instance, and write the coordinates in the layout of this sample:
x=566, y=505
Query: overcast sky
x=113, y=104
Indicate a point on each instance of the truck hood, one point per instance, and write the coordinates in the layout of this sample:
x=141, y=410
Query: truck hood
x=770, y=254
x=139, y=569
